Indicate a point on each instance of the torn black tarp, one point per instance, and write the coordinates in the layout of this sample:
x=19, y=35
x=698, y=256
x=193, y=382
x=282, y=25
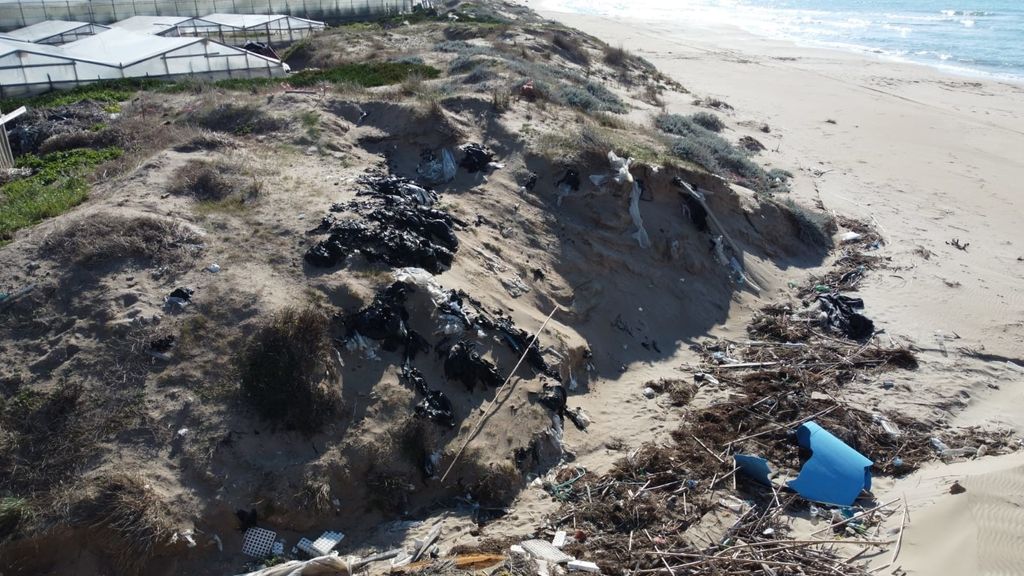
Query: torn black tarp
x=435, y=404
x=386, y=320
x=844, y=318
x=464, y=364
x=476, y=157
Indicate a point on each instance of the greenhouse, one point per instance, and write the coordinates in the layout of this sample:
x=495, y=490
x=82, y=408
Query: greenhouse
x=54, y=32
x=241, y=28
x=156, y=25
x=27, y=68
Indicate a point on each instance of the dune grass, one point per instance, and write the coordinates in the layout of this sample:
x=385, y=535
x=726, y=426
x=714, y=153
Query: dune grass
x=59, y=183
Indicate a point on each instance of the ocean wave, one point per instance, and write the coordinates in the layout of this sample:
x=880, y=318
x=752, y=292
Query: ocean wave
x=951, y=13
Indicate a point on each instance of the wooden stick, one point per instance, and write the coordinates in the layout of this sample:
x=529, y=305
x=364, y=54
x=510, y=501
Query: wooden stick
x=784, y=426
x=708, y=450
x=899, y=540
x=497, y=393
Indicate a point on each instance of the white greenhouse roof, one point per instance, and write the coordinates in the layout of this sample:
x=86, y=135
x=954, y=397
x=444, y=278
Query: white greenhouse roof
x=118, y=46
x=243, y=21
x=9, y=45
x=48, y=29
x=150, y=24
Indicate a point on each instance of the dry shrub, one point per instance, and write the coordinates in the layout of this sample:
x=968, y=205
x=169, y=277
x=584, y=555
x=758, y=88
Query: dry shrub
x=616, y=57
x=106, y=237
x=201, y=140
x=572, y=47
x=287, y=372
x=680, y=392
x=238, y=119
x=206, y=180
x=812, y=228
x=83, y=139
x=140, y=525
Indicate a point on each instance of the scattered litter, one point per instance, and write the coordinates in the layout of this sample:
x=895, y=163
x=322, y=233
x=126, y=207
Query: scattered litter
x=650, y=393
x=543, y=550
x=258, y=542
x=178, y=299
x=315, y=566
x=182, y=432
x=420, y=547
x=278, y=548
x=569, y=183
x=515, y=286
x=835, y=473
x=476, y=158
x=220, y=545
x=850, y=237
x=755, y=467
x=843, y=316
x=582, y=566
x=634, y=211
x=437, y=170
x=213, y=268
x=558, y=541
x=891, y=429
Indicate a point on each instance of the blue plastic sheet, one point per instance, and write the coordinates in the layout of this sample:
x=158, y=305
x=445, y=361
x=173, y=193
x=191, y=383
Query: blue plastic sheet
x=755, y=467
x=835, y=473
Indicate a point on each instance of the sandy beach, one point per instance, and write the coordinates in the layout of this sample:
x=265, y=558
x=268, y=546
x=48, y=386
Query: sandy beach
x=929, y=158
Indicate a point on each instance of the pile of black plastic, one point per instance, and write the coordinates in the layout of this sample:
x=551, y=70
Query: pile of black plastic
x=463, y=321
x=397, y=225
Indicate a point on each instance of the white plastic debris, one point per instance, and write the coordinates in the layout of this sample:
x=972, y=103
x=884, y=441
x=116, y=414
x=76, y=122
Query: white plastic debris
x=634, y=211
x=559, y=539
x=850, y=237
x=543, y=550
x=322, y=545
x=649, y=393
x=515, y=286
x=258, y=542
x=213, y=268
x=516, y=550
x=278, y=548
x=582, y=566
x=365, y=345
x=182, y=432
x=217, y=541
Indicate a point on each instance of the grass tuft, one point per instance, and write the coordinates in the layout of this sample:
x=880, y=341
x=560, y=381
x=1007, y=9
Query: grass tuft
x=286, y=370
x=105, y=237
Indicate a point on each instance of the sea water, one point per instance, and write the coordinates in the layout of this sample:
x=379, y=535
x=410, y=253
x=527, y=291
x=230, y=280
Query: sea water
x=983, y=37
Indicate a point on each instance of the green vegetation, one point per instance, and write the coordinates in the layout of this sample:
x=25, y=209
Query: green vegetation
x=592, y=97
x=13, y=513
x=708, y=121
x=110, y=92
x=709, y=150
x=60, y=181
x=366, y=74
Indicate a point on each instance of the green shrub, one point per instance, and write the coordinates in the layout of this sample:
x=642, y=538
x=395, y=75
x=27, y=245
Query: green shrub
x=705, y=148
x=59, y=183
x=708, y=121
x=592, y=97
x=285, y=367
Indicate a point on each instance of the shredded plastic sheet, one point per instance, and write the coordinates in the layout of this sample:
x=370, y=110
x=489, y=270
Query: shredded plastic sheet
x=835, y=473
x=634, y=210
x=319, y=566
x=755, y=467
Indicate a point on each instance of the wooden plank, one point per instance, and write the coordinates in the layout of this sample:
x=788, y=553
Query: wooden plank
x=11, y=116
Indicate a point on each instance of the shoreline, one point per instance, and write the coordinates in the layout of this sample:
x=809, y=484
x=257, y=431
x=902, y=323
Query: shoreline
x=856, y=50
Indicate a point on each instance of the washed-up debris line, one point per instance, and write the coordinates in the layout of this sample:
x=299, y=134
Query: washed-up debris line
x=394, y=221
x=781, y=420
